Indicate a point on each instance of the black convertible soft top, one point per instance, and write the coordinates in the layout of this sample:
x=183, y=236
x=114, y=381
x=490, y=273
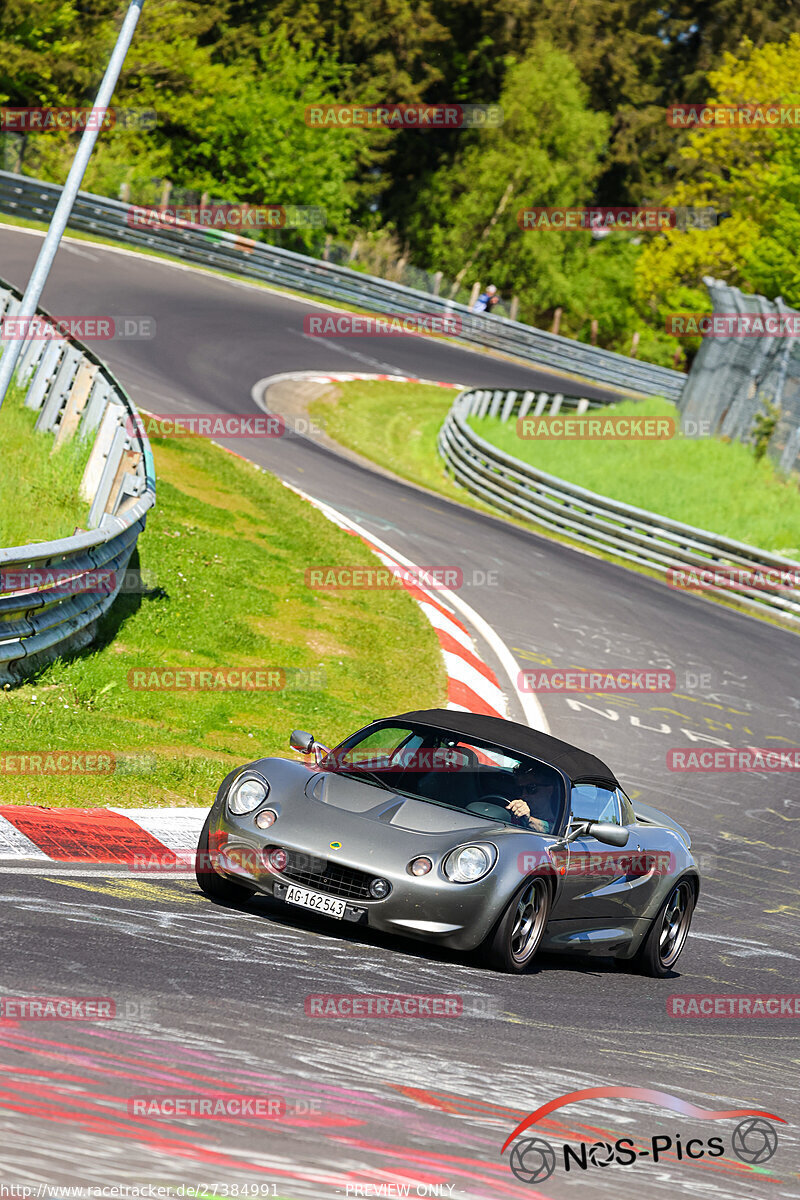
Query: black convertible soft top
x=578, y=765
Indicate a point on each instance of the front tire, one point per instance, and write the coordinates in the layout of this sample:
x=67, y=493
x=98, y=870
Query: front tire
x=515, y=939
x=666, y=939
x=210, y=883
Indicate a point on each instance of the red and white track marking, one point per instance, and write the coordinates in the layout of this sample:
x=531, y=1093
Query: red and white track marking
x=471, y=685
x=117, y=836
x=349, y=376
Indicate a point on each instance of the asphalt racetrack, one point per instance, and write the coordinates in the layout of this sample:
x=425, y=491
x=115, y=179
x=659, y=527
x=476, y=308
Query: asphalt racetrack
x=210, y=997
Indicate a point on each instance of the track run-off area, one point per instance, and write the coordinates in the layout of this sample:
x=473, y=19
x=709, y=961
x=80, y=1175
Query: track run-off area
x=212, y=1000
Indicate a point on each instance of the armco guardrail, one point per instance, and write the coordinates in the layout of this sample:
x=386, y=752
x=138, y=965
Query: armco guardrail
x=35, y=200
x=629, y=533
x=81, y=576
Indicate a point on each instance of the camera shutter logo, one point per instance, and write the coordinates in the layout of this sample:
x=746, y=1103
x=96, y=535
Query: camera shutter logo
x=533, y=1160
x=754, y=1140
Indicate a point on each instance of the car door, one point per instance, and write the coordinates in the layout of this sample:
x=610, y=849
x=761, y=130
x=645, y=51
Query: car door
x=599, y=883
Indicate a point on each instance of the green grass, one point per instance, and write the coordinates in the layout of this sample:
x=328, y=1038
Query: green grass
x=393, y=424
x=225, y=554
x=706, y=482
x=38, y=486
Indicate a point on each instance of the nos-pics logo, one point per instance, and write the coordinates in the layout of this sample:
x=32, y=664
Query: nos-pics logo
x=533, y=1159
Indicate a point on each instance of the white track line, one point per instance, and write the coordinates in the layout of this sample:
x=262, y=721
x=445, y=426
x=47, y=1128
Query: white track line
x=534, y=713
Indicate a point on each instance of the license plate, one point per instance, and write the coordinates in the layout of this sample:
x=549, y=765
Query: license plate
x=328, y=905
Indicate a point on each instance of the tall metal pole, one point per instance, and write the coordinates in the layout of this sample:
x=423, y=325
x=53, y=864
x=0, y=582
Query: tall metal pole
x=70, y=190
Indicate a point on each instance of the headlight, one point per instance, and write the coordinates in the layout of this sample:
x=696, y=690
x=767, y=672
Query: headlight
x=469, y=863
x=246, y=794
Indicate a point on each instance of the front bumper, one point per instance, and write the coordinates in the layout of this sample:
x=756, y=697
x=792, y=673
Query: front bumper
x=429, y=908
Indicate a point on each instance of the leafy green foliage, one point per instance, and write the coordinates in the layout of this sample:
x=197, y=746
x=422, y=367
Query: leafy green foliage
x=585, y=86
x=754, y=174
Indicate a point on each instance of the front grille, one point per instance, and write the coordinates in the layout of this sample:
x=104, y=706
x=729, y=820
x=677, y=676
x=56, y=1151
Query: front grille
x=329, y=877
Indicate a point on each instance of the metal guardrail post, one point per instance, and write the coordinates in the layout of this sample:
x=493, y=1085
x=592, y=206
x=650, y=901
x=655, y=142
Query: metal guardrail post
x=74, y=392
x=59, y=389
x=29, y=359
x=99, y=397
x=119, y=443
x=66, y=199
x=45, y=373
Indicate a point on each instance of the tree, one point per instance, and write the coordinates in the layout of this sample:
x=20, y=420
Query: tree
x=234, y=129
x=546, y=153
x=754, y=174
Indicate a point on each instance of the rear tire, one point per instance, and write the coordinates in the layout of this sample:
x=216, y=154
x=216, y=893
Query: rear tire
x=210, y=883
x=512, y=945
x=666, y=939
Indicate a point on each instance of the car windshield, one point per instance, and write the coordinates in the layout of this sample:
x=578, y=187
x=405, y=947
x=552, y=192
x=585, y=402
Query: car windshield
x=472, y=776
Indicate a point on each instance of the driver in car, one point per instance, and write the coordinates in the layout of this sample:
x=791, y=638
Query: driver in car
x=532, y=793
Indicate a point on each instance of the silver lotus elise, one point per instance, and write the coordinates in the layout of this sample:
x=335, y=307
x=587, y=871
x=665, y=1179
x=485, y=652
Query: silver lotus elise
x=459, y=829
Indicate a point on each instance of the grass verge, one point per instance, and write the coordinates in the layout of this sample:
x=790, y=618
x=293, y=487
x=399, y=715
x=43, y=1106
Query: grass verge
x=707, y=482
x=225, y=554
x=38, y=485
x=395, y=425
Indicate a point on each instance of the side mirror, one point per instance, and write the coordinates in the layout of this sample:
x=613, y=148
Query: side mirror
x=609, y=834
x=302, y=741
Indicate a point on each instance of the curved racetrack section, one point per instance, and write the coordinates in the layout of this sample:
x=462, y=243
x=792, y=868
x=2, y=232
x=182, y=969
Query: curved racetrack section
x=216, y=998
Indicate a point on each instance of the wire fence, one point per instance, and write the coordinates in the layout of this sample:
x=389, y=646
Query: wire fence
x=747, y=388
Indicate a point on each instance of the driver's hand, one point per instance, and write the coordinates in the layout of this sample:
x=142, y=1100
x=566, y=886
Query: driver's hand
x=518, y=808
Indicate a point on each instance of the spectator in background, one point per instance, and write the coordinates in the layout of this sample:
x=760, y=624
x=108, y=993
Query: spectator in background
x=487, y=300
